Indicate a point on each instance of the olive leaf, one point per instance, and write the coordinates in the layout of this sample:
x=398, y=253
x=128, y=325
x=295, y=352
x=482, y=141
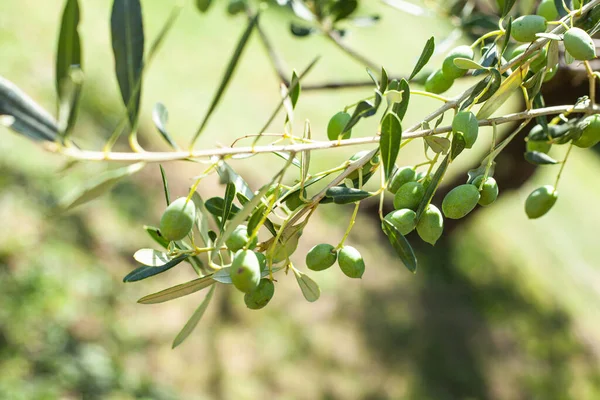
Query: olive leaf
x=506, y=89
x=363, y=109
x=400, y=245
x=127, y=31
x=296, y=89
x=216, y=206
x=465, y=63
x=151, y=257
x=433, y=185
x=21, y=114
x=438, y=144
x=343, y=9
x=201, y=218
x=490, y=84
x=233, y=62
x=227, y=203
x=508, y=5
x=154, y=233
x=301, y=31
x=346, y=195
x=562, y=12
x=389, y=143
x=194, y=320
x=310, y=289
x=426, y=54
x=98, y=186
x=163, y=176
x=506, y=36
x=474, y=173
x=68, y=105
x=228, y=174
x=539, y=158
x=160, y=117
x=178, y=291
x=146, y=271
x=458, y=145
x=400, y=108
x=68, y=53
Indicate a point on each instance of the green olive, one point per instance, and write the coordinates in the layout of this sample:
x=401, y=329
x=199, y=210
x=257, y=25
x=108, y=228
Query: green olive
x=524, y=28
x=403, y=175
x=245, y=271
x=489, y=190
x=321, y=257
x=431, y=225
x=236, y=6
x=542, y=146
x=351, y=262
x=466, y=123
x=260, y=297
x=336, y=125
x=579, y=44
x=438, y=83
x=409, y=196
x=452, y=71
x=547, y=9
x=405, y=220
x=540, y=201
x=178, y=219
x=239, y=238
x=460, y=201
x=590, y=135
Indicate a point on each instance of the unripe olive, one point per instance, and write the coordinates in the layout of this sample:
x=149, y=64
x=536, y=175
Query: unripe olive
x=452, y=71
x=438, y=83
x=239, y=238
x=540, y=201
x=431, y=224
x=524, y=28
x=367, y=168
x=336, y=125
x=466, y=123
x=489, y=190
x=260, y=296
x=590, y=136
x=178, y=219
x=245, y=271
x=236, y=6
x=547, y=9
x=321, y=257
x=405, y=220
x=579, y=44
x=351, y=262
x=460, y=201
x=409, y=196
x=403, y=175
x=542, y=146
x=294, y=201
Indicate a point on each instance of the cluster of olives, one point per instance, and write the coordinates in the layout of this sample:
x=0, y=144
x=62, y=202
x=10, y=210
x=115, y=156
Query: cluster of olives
x=323, y=256
x=442, y=79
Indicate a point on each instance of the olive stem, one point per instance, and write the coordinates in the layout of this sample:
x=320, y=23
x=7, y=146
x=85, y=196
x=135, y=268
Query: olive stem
x=428, y=94
x=563, y=163
x=592, y=79
x=487, y=36
x=350, y=226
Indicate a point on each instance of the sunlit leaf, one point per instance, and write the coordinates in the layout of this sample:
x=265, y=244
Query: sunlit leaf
x=389, y=143
x=68, y=53
x=156, y=236
x=178, y=291
x=227, y=203
x=193, y=321
x=346, y=195
x=310, y=289
x=146, y=271
x=507, y=88
x=465, y=63
x=438, y=144
x=160, y=117
x=436, y=180
x=151, y=257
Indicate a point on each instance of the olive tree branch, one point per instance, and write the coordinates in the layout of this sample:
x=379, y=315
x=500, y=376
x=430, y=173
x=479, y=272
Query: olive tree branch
x=224, y=152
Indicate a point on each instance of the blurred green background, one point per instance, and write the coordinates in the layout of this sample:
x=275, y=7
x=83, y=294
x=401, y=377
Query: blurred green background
x=504, y=308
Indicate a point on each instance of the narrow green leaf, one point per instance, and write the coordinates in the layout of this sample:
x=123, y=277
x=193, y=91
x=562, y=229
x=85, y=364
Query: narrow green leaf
x=310, y=289
x=506, y=37
x=305, y=155
x=21, y=114
x=154, y=233
x=490, y=84
x=68, y=106
x=508, y=5
x=389, y=144
x=401, y=245
x=68, y=53
x=160, y=117
x=458, y=145
x=233, y=62
x=127, y=31
x=295, y=162
x=98, y=186
x=400, y=108
x=346, y=195
x=228, y=174
x=433, y=185
x=296, y=89
x=539, y=158
x=193, y=321
x=424, y=58
x=475, y=172
x=343, y=9
x=216, y=206
x=228, y=203
x=163, y=176
x=146, y=271
x=507, y=88
x=203, y=5
x=201, y=218
x=178, y=291
x=363, y=109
